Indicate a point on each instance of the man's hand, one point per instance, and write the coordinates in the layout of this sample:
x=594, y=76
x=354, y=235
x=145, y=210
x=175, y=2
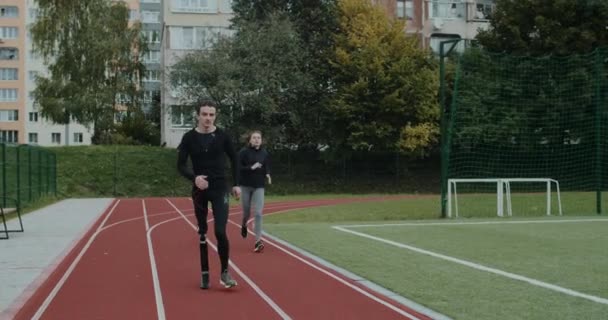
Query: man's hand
x=269, y=179
x=236, y=192
x=256, y=165
x=201, y=182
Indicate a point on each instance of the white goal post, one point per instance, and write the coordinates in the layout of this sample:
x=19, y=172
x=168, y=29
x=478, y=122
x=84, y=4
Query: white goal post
x=503, y=193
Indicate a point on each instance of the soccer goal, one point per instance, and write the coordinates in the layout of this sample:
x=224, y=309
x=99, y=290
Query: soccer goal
x=483, y=195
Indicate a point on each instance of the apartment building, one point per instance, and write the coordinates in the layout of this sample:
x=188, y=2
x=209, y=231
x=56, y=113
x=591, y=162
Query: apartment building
x=189, y=25
x=172, y=29
x=409, y=10
x=20, y=118
x=38, y=130
x=12, y=71
x=151, y=17
x=433, y=21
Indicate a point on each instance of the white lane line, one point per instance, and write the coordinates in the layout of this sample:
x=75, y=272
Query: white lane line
x=257, y=289
x=69, y=271
x=139, y=218
x=473, y=265
x=426, y=224
x=339, y=279
x=160, y=307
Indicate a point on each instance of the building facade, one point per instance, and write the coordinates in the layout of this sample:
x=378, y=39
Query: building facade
x=188, y=26
x=172, y=29
x=20, y=117
x=151, y=17
x=433, y=21
x=12, y=71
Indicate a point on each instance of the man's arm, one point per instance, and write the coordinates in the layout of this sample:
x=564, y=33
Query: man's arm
x=267, y=166
x=267, y=163
x=234, y=162
x=182, y=160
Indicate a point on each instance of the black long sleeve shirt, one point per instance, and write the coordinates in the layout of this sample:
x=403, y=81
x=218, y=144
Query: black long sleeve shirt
x=207, y=153
x=248, y=157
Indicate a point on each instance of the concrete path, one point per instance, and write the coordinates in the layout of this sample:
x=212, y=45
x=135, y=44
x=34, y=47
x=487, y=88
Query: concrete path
x=49, y=235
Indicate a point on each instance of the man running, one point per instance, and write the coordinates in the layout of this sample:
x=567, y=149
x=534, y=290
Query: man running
x=207, y=145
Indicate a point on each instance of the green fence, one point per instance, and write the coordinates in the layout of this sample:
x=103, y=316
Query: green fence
x=28, y=173
x=128, y=171
x=530, y=117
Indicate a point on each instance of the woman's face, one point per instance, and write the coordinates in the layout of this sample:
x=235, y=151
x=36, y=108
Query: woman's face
x=255, y=140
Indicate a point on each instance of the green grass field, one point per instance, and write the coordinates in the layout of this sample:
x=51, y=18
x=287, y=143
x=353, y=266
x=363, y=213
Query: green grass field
x=571, y=255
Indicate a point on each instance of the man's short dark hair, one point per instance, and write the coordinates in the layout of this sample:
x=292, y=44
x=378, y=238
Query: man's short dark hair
x=205, y=103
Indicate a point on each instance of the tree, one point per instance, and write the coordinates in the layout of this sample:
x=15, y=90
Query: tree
x=256, y=75
x=314, y=22
x=385, y=86
x=525, y=93
x=541, y=27
x=92, y=54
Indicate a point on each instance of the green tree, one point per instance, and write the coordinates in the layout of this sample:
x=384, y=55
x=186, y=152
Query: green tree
x=93, y=55
x=386, y=86
x=313, y=22
x=256, y=77
x=524, y=97
x=541, y=27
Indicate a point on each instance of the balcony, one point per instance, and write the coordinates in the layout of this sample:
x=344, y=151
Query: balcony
x=447, y=10
x=480, y=10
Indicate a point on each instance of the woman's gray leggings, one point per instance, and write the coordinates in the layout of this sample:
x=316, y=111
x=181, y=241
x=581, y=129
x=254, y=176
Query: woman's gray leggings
x=253, y=197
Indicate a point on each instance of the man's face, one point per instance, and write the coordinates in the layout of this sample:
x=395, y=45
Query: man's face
x=206, y=116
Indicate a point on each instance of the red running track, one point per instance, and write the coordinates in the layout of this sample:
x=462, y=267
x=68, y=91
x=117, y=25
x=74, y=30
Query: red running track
x=140, y=261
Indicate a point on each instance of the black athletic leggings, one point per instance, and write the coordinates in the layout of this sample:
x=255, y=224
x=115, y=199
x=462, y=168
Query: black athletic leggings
x=219, y=205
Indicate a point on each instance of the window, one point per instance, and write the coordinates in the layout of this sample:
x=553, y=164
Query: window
x=32, y=137
x=152, y=56
x=9, y=115
x=148, y=96
x=33, y=13
x=8, y=32
x=9, y=12
x=32, y=75
x=206, y=36
x=152, y=76
x=483, y=10
x=196, y=6
x=151, y=36
x=33, y=54
x=33, y=116
x=122, y=98
x=9, y=54
x=447, y=9
x=133, y=14
x=188, y=37
x=119, y=116
x=9, y=74
x=405, y=9
x=56, y=137
x=150, y=16
x=78, y=137
x=8, y=95
x=10, y=136
x=196, y=37
x=182, y=117
x=226, y=6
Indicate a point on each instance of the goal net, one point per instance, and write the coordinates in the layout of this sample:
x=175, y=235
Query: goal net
x=503, y=197
x=527, y=118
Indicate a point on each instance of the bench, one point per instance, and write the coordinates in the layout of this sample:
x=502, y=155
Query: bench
x=4, y=212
